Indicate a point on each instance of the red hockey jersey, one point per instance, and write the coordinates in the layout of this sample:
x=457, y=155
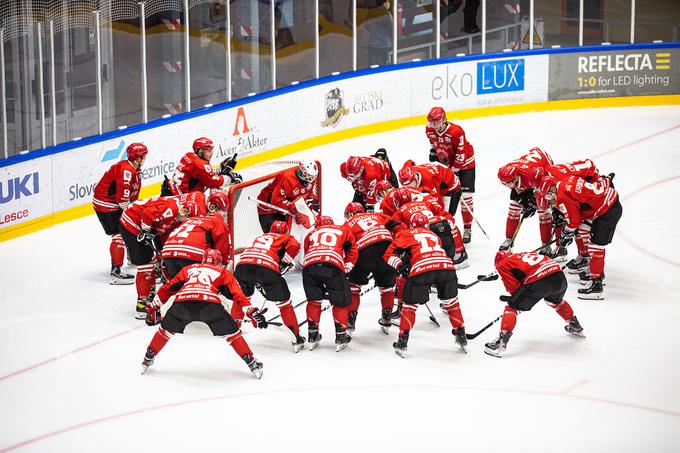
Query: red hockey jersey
x=453, y=149
x=191, y=239
x=389, y=205
x=334, y=244
x=158, y=214
x=283, y=191
x=523, y=268
x=203, y=282
x=118, y=187
x=526, y=164
x=369, y=228
x=197, y=197
x=269, y=249
x=585, y=169
x=580, y=200
x=374, y=170
x=425, y=250
x=431, y=210
x=194, y=174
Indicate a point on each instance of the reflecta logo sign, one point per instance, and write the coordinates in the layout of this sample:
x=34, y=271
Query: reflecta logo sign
x=500, y=76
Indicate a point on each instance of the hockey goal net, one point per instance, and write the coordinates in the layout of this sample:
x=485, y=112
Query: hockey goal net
x=242, y=218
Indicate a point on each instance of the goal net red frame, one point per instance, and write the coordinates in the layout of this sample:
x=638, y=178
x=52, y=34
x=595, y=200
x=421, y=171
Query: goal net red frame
x=242, y=217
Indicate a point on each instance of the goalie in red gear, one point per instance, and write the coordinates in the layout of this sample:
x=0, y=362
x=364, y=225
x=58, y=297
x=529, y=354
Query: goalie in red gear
x=330, y=253
x=114, y=192
x=418, y=254
x=530, y=277
x=520, y=177
x=439, y=179
x=195, y=174
x=198, y=288
x=364, y=173
x=289, y=186
x=371, y=232
x=145, y=226
x=450, y=147
x=263, y=264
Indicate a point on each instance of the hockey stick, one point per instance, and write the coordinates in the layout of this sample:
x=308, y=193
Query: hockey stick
x=432, y=318
x=270, y=206
x=474, y=218
x=294, y=307
x=472, y=336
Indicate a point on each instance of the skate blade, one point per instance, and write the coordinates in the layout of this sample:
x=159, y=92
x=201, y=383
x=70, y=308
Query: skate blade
x=140, y=316
x=577, y=334
x=560, y=259
x=599, y=296
x=144, y=368
x=312, y=346
x=463, y=348
x=257, y=373
x=120, y=281
x=464, y=265
x=493, y=353
x=340, y=347
x=298, y=347
x=385, y=329
x=576, y=271
x=400, y=353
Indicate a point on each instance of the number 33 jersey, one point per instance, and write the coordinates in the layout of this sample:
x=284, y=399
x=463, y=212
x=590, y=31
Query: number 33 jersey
x=524, y=268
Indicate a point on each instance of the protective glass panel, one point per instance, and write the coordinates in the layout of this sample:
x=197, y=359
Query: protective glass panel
x=208, y=25
x=658, y=20
x=374, y=33
x=251, y=48
x=335, y=41
x=295, y=34
x=606, y=21
x=459, y=27
x=415, y=30
x=503, y=25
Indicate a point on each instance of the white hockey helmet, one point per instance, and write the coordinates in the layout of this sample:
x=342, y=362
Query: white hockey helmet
x=307, y=171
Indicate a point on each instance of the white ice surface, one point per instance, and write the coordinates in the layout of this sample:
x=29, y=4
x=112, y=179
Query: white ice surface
x=71, y=350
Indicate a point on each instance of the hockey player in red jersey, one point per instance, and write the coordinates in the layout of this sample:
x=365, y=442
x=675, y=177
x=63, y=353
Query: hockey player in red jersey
x=592, y=206
x=530, y=277
x=263, y=264
x=285, y=193
x=330, y=253
x=450, y=147
x=418, y=253
x=519, y=176
x=198, y=289
x=371, y=232
x=145, y=226
x=364, y=173
x=118, y=188
x=390, y=203
x=440, y=179
x=195, y=174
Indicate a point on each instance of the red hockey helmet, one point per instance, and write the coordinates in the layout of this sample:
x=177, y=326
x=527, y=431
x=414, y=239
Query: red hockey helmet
x=436, y=114
x=537, y=174
x=402, y=196
x=546, y=186
x=353, y=208
x=190, y=209
x=218, y=201
x=419, y=220
x=381, y=188
x=279, y=226
x=501, y=255
x=212, y=256
x=136, y=150
x=406, y=175
x=202, y=143
x=508, y=175
x=354, y=167
x=323, y=220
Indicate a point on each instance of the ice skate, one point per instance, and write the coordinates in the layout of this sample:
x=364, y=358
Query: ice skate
x=497, y=347
x=148, y=359
x=386, y=321
x=574, y=328
x=593, y=290
x=342, y=339
x=351, y=322
x=560, y=254
x=461, y=339
x=140, y=308
x=299, y=343
x=584, y=278
x=579, y=264
x=467, y=235
x=254, y=365
x=461, y=260
x=314, y=336
x=119, y=277
x=506, y=245
x=545, y=250
x=396, y=314
x=400, y=345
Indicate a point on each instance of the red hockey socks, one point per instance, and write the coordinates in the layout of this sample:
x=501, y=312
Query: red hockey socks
x=563, y=309
x=408, y=317
x=314, y=311
x=340, y=315
x=582, y=240
x=512, y=223
x=160, y=339
x=288, y=315
x=457, y=239
x=467, y=210
x=509, y=319
x=452, y=307
x=144, y=280
x=596, y=253
x=387, y=298
x=238, y=343
x=356, y=297
x=117, y=250
x=545, y=225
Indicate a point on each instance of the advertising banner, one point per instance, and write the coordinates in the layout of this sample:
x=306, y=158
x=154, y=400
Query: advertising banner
x=614, y=73
x=25, y=192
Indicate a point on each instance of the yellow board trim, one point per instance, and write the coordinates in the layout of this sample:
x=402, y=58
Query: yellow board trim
x=368, y=129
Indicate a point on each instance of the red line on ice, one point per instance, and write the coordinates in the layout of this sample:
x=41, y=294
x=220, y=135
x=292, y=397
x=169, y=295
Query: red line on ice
x=635, y=142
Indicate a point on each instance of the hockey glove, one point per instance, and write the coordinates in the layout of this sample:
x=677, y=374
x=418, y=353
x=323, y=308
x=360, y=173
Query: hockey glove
x=147, y=238
x=433, y=155
x=153, y=315
x=227, y=165
x=285, y=267
x=257, y=317
x=558, y=219
x=505, y=298
x=403, y=270
x=567, y=237
x=235, y=178
x=528, y=207
x=381, y=154
x=370, y=208
x=488, y=278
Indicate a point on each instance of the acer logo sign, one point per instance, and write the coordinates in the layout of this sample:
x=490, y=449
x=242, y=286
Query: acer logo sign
x=15, y=188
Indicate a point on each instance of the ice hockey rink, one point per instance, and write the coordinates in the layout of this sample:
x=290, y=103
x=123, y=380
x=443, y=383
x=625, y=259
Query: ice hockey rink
x=71, y=350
